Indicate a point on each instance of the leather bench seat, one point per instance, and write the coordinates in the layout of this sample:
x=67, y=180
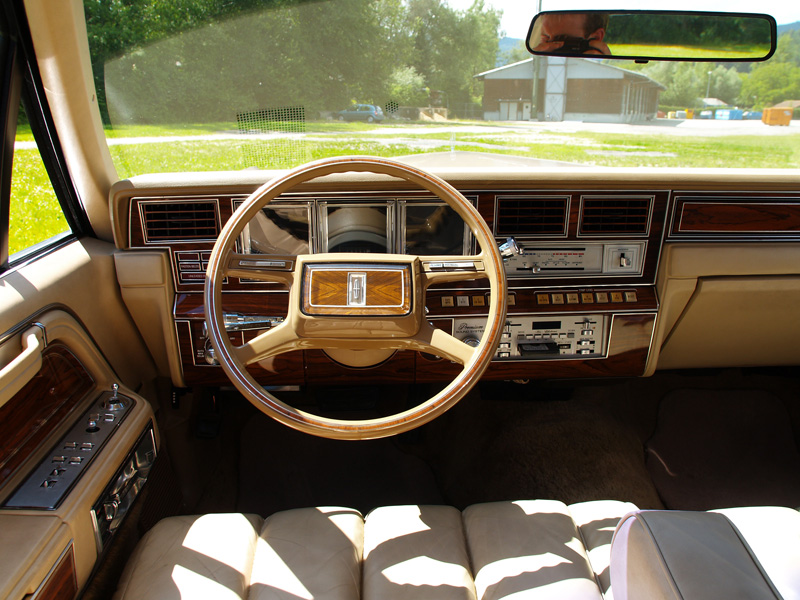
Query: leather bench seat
x=539, y=548
x=536, y=549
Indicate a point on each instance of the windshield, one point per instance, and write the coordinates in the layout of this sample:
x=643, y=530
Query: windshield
x=207, y=86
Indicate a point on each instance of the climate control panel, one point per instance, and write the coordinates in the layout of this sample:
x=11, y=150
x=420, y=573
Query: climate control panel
x=542, y=337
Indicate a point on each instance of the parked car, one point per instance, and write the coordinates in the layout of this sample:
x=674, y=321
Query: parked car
x=361, y=112
x=248, y=353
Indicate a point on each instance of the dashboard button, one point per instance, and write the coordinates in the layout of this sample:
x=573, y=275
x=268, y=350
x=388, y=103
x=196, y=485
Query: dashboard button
x=587, y=298
x=616, y=296
x=447, y=301
x=572, y=298
x=542, y=299
x=558, y=298
x=602, y=297
x=630, y=297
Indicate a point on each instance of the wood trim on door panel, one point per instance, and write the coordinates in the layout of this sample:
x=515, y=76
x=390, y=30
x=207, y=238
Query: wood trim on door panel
x=61, y=582
x=41, y=406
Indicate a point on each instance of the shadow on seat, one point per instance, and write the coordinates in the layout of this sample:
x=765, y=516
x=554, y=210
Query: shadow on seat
x=533, y=549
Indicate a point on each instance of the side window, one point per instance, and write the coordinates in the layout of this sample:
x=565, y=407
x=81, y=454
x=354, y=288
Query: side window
x=35, y=215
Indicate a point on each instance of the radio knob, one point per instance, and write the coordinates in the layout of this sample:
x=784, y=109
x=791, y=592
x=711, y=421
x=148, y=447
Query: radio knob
x=471, y=341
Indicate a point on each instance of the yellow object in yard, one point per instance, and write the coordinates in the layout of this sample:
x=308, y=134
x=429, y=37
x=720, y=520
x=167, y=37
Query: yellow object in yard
x=690, y=113
x=776, y=116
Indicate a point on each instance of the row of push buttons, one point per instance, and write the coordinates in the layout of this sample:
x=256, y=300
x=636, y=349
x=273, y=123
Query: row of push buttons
x=546, y=336
x=586, y=298
x=450, y=301
x=192, y=265
x=60, y=460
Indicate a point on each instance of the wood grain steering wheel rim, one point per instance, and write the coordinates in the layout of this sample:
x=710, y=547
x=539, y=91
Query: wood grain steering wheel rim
x=368, y=330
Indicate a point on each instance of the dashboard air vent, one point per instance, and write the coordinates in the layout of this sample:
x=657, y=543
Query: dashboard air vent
x=181, y=221
x=520, y=216
x=615, y=216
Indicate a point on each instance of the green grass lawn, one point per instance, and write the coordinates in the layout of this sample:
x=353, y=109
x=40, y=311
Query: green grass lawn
x=689, y=52
x=36, y=215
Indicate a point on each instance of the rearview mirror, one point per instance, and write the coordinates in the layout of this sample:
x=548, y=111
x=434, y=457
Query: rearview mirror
x=653, y=35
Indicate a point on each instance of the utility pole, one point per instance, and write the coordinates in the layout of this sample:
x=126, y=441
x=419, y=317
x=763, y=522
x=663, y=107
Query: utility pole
x=535, y=89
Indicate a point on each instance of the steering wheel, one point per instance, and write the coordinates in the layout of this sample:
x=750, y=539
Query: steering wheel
x=354, y=301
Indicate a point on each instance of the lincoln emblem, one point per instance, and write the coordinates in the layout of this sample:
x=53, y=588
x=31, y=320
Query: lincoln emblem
x=356, y=289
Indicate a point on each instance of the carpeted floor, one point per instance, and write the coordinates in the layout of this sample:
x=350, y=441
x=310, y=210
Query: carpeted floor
x=483, y=450
x=680, y=440
x=721, y=448
x=515, y=442
x=281, y=468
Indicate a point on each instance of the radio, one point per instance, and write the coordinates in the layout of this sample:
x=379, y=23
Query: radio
x=537, y=338
x=554, y=259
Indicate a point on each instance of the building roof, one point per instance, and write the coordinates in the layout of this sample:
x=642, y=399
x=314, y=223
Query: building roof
x=788, y=104
x=713, y=102
x=524, y=71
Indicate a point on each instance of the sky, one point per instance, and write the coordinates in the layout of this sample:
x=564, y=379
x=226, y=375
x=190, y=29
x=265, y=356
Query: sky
x=517, y=14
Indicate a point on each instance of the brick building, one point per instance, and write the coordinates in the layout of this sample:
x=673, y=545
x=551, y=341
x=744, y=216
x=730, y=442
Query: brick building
x=570, y=89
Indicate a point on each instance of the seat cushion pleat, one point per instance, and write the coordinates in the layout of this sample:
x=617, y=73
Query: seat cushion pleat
x=309, y=553
x=597, y=520
x=207, y=556
x=530, y=548
x=416, y=552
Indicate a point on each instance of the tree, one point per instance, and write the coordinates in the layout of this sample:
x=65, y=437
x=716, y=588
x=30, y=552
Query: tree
x=407, y=87
x=514, y=54
x=788, y=50
x=686, y=82
x=770, y=83
x=206, y=60
x=450, y=47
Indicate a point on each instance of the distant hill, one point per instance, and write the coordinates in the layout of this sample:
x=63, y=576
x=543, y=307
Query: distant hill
x=507, y=43
x=787, y=27
x=504, y=45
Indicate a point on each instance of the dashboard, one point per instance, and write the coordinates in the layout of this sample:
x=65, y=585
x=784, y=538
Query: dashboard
x=593, y=289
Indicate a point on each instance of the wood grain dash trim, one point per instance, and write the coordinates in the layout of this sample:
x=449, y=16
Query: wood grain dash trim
x=756, y=217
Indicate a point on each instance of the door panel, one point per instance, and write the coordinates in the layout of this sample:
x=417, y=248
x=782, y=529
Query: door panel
x=55, y=405
x=80, y=277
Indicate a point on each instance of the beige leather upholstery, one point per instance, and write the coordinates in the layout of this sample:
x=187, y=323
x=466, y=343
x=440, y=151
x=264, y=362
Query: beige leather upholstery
x=773, y=534
x=733, y=553
x=539, y=549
